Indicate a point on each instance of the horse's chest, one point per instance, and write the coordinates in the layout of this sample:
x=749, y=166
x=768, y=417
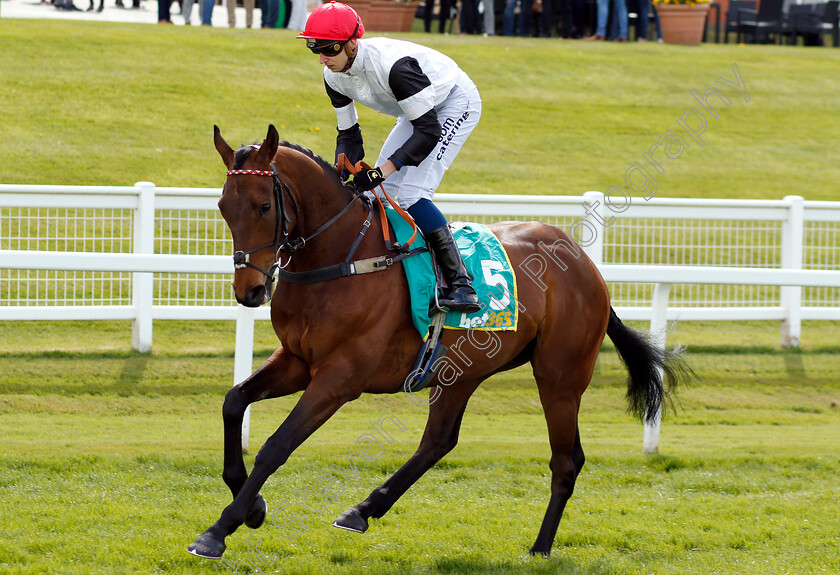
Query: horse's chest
x=304, y=335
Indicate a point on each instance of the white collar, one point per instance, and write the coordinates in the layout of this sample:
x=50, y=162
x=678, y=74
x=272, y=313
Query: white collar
x=358, y=67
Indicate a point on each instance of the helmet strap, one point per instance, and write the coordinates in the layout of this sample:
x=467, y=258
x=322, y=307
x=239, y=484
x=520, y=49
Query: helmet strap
x=350, y=57
x=350, y=60
x=356, y=29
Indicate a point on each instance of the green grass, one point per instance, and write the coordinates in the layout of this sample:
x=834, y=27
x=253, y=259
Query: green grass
x=96, y=103
x=111, y=463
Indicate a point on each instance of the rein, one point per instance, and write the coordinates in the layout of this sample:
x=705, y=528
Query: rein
x=282, y=243
x=344, y=163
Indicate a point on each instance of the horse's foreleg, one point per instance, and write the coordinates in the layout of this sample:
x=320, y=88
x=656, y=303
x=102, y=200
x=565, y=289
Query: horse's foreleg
x=282, y=374
x=322, y=398
x=439, y=438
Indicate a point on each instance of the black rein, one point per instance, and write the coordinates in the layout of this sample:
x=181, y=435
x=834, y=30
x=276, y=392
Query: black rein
x=282, y=243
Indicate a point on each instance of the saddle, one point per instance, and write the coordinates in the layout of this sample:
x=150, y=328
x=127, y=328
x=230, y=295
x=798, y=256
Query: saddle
x=494, y=282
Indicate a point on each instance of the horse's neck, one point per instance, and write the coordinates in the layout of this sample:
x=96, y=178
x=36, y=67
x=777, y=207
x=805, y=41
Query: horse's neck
x=320, y=199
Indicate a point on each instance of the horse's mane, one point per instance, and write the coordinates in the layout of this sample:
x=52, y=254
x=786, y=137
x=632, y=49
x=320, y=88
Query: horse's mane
x=245, y=151
x=308, y=153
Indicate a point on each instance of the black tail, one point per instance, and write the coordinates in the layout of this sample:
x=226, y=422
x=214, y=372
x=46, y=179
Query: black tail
x=646, y=390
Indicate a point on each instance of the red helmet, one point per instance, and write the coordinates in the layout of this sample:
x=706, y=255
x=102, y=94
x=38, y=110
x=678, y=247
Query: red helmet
x=333, y=21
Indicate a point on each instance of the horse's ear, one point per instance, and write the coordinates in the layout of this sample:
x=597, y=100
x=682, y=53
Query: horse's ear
x=225, y=151
x=268, y=149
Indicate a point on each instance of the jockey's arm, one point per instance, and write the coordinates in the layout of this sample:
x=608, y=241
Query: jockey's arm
x=421, y=142
x=349, y=140
x=416, y=96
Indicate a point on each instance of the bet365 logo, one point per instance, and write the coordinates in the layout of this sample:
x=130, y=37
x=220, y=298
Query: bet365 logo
x=495, y=315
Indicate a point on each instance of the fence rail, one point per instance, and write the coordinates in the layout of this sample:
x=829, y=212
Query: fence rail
x=144, y=219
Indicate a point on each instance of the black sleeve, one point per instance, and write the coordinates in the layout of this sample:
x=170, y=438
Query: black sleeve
x=421, y=142
x=350, y=143
x=407, y=79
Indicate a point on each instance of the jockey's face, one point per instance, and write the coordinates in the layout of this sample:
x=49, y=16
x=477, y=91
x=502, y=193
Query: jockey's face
x=338, y=62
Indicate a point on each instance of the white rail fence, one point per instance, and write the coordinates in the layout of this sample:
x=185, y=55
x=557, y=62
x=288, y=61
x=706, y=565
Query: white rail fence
x=782, y=234
x=144, y=253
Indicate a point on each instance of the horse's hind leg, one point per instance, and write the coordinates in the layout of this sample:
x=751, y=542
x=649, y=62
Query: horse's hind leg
x=439, y=438
x=560, y=397
x=565, y=468
x=282, y=374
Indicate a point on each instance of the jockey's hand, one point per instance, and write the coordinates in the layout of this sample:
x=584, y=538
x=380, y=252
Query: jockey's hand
x=367, y=179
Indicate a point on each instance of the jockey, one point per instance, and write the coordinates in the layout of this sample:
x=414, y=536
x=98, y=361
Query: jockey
x=436, y=105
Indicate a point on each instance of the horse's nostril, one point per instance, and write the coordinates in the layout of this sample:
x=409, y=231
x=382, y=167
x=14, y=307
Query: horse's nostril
x=255, y=296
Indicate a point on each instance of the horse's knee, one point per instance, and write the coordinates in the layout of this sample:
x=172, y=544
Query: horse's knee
x=234, y=405
x=437, y=452
x=436, y=447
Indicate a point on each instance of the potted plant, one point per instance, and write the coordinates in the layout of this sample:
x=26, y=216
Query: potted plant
x=391, y=15
x=683, y=21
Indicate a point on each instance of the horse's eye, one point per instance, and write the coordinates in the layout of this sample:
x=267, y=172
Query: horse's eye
x=264, y=209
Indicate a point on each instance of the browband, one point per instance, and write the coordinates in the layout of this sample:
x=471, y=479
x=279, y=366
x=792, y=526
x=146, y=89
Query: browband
x=249, y=173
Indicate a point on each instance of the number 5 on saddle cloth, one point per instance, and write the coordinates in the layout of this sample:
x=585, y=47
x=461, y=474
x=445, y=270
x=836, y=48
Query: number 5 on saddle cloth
x=493, y=280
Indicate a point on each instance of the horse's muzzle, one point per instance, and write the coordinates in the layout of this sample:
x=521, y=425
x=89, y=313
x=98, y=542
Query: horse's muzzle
x=256, y=296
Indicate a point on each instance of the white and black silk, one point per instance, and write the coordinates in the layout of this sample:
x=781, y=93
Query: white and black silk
x=396, y=78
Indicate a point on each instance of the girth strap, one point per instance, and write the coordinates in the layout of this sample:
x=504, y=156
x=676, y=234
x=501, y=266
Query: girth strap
x=344, y=269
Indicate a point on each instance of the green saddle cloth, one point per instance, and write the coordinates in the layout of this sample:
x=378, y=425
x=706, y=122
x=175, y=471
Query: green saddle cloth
x=493, y=278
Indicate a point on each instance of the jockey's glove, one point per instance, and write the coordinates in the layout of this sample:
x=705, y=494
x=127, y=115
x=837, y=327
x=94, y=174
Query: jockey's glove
x=367, y=179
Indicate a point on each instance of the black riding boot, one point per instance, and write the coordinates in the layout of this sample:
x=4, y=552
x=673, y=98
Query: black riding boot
x=459, y=294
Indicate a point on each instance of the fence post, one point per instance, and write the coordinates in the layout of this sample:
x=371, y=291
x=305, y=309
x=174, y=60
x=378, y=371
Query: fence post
x=143, y=283
x=658, y=325
x=243, y=361
x=594, y=204
x=792, y=246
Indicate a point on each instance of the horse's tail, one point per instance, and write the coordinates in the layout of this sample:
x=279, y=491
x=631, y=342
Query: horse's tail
x=645, y=363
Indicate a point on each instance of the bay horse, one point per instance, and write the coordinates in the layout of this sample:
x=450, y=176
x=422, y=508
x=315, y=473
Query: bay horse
x=287, y=208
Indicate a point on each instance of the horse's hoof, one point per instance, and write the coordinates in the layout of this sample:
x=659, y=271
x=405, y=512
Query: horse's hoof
x=207, y=546
x=256, y=515
x=351, y=520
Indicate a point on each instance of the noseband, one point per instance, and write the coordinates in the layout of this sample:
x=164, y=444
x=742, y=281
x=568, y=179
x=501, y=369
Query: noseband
x=281, y=241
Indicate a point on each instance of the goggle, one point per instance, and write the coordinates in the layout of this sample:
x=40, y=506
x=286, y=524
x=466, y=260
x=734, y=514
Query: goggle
x=330, y=50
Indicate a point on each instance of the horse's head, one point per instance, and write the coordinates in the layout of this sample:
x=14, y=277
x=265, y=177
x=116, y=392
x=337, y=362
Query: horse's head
x=252, y=203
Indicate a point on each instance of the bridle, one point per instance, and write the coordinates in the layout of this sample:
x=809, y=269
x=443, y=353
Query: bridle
x=282, y=242
x=281, y=230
